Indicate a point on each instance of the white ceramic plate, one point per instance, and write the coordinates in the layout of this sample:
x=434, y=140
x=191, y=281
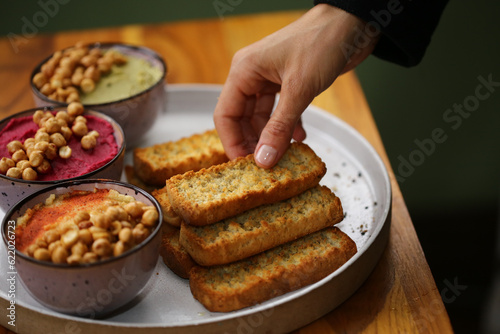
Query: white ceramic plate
x=354, y=172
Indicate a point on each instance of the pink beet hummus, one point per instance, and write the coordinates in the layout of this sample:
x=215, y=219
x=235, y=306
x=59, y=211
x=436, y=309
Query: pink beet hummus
x=81, y=161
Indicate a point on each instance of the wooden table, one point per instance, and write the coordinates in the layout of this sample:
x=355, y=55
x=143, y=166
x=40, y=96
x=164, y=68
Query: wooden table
x=400, y=295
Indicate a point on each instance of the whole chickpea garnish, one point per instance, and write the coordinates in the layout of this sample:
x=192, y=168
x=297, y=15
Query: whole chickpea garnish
x=14, y=146
x=29, y=174
x=5, y=164
x=75, y=109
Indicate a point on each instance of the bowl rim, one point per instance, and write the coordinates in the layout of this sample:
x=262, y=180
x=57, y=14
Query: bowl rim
x=68, y=184
x=99, y=114
x=104, y=45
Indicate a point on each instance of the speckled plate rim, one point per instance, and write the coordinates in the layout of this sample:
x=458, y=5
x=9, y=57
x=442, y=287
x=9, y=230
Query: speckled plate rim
x=376, y=244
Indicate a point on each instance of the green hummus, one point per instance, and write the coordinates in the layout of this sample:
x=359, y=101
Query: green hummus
x=123, y=81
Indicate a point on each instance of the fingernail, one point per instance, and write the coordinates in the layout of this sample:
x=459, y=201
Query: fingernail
x=266, y=155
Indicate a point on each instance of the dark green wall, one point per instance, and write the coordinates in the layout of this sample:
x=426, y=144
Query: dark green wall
x=54, y=15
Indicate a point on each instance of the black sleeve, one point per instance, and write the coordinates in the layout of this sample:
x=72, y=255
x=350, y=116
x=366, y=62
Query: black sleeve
x=406, y=25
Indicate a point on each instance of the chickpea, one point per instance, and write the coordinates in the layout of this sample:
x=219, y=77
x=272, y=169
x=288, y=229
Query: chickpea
x=41, y=243
x=79, y=50
x=101, y=220
x=52, y=126
x=77, y=77
x=66, y=226
x=125, y=235
x=74, y=259
x=36, y=158
x=14, y=146
x=58, y=139
x=80, y=118
x=41, y=146
x=42, y=136
x=97, y=229
x=29, y=174
x=88, y=60
x=96, y=52
x=87, y=85
x=89, y=257
x=63, y=71
x=48, y=69
x=65, y=152
x=88, y=142
x=119, y=59
x=54, y=245
x=102, y=247
x=66, y=132
x=56, y=57
x=39, y=80
x=46, y=89
x=68, y=62
x=104, y=64
x=41, y=254
x=134, y=209
x=93, y=133
x=140, y=233
x=66, y=83
x=37, y=116
x=85, y=236
x=61, y=114
x=51, y=152
x=93, y=73
x=79, y=129
x=31, y=249
x=19, y=155
x=81, y=216
x=72, y=89
x=116, y=227
x=56, y=82
x=150, y=217
x=73, y=97
x=79, y=248
x=59, y=255
x=23, y=164
x=85, y=224
x=5, y=164
x=101, y=235
x=61, y=123
x=69, y=238
x=75, y=109
x=44, y=168
x=14, y=172
x=115, y=213
x=29, y=142
x=29, y=150
x=51, y=236
x=119, y=248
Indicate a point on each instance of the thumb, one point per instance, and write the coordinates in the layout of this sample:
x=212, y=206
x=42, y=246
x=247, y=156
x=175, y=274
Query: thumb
x=279, y=130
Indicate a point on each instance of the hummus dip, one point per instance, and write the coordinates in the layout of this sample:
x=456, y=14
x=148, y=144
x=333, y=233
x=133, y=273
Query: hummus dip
x=123, y=81
x=81, y=161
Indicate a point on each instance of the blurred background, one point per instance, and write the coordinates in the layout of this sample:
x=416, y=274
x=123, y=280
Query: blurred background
x=451, y=188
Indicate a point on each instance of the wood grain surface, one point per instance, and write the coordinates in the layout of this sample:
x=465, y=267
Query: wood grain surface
x=400, y=296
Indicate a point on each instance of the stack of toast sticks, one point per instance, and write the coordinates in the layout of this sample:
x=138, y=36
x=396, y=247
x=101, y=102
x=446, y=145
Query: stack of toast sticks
x=242, y=234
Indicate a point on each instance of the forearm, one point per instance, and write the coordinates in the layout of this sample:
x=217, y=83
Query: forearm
x=406, y=26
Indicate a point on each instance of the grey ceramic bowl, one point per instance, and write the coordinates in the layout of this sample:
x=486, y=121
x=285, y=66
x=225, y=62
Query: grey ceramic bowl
x=135, y=114
x=88, y=290
x=12, y=190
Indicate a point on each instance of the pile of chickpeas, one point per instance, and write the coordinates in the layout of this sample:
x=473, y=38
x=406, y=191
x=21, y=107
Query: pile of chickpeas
x=75, y=69
x=32, y=157
x=89, y=238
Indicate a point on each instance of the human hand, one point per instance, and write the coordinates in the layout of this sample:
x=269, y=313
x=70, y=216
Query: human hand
x=299, y=61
